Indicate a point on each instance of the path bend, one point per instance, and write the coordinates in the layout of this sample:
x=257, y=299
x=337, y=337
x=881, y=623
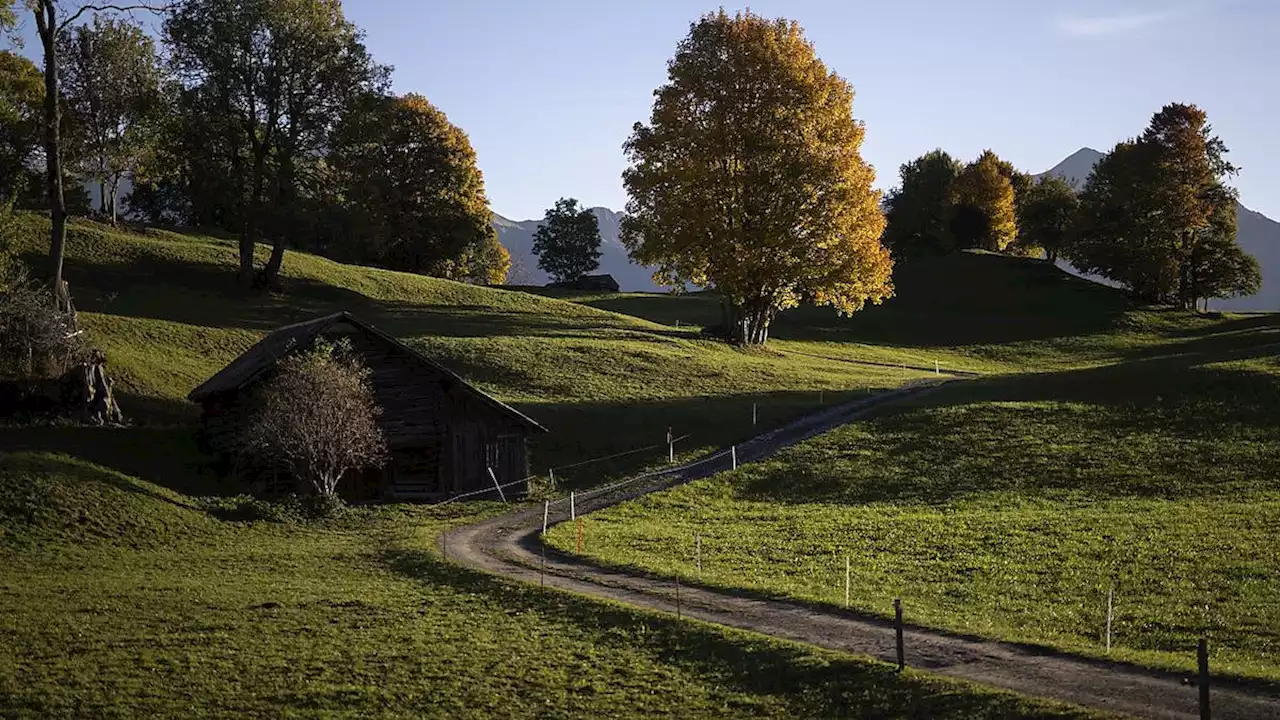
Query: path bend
x=509, y=546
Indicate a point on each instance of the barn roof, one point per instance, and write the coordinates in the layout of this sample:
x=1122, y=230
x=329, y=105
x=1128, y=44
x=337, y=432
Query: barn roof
x=257, y=360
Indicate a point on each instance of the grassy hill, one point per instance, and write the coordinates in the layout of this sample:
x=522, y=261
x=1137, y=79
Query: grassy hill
x=164, y=307
x=1144, y=463
x=118, y=599
x=165, y=610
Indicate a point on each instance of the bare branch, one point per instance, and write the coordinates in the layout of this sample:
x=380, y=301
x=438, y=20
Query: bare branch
x=150, y=7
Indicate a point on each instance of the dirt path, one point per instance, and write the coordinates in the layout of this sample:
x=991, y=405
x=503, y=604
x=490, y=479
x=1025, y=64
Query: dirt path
x=509, y=546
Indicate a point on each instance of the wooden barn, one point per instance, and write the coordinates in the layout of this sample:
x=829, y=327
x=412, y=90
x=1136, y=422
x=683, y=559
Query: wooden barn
x=442, y=434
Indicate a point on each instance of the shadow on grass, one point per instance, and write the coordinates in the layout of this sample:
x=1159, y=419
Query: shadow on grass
x=1164, y=427
x=813, y=682
x=586, y=430
x=168, y=457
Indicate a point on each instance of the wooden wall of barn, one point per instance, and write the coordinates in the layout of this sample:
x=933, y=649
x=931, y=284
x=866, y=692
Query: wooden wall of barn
x=442, y=437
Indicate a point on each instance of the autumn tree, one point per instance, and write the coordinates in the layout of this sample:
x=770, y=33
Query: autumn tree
x=111, y=84
x=1047, y=216
x=748, y=178
x=1155, y=215
x=918, y=211
x=567, y=242
x=413, y=197
x=984, y=190
x=275, y=75
x=317, y=418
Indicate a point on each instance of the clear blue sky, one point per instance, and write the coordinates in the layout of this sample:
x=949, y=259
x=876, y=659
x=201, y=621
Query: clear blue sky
x=548, y=89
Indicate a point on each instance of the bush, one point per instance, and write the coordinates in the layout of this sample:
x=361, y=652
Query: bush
x=288, y=509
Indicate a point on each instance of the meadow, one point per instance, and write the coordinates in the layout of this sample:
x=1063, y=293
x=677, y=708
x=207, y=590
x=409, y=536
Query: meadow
x=1008, y=506
x=121, y=598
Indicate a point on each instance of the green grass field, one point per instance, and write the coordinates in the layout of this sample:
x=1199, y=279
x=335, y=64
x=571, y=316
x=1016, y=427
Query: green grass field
x=163, y=306
x=1008, y=506
x=162, y=609
x=122, y=599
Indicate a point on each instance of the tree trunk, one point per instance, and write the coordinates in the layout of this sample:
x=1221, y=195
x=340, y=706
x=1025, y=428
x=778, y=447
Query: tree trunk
x=750, y=325
x=269, y=278
x=115, y=194
x=47, y=24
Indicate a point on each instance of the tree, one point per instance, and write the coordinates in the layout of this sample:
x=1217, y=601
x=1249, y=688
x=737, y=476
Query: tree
x=748, y=178
x=111, y=81
x=275, y=75
x=985, y=186
x=1217, y=266
x=317, y=418
x=1156, y=217
x=1047, y=216
x=412, y=195
x=567, y=242
x=918, y=211
x=21, y=107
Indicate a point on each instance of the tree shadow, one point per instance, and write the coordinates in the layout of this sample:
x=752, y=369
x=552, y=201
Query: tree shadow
x=168, y=457
x=1124, y=430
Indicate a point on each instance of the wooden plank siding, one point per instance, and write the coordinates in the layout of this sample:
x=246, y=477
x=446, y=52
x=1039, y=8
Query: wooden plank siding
x=442, y=435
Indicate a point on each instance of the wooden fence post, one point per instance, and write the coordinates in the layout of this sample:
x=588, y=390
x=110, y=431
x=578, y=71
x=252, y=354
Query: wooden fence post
x=573, y=510
x=1109, y=592
x=846, y=582
x=497, y=485
x=546, y=510
x=733, y=452
x=897, y=625
x=1202, y=658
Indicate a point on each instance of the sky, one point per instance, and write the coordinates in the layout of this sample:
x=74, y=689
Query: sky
x=548, y=90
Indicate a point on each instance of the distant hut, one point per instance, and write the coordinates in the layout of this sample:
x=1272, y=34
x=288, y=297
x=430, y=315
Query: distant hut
x=592, y=283
x=443, y=435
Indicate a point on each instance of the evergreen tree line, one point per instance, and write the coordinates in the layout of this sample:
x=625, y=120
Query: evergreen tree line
x=1156, y=215
x=266, y=119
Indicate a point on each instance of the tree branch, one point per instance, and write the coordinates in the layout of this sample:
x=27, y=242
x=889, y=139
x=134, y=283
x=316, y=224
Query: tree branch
x=150, y=7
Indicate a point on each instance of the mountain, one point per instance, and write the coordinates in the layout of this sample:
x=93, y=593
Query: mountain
x=1257, y=234
x=517, y=237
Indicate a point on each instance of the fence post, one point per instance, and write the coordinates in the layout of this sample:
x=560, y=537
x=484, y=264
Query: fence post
x=573, y=510
x=497, y=485
x=733, y=452
x=753, y=414
x=551, y=473
x=546, y=510
x=1202, y=657
x=897, y=626
x=846, y=582
x=677, y=596
x=671, y=448
x=937, y=369
x=1109, y=592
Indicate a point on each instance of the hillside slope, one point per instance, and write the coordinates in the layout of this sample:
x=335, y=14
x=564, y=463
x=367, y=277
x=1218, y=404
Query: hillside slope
x=164, y=307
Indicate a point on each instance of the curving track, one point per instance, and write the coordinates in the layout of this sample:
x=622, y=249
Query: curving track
x=509, y=546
